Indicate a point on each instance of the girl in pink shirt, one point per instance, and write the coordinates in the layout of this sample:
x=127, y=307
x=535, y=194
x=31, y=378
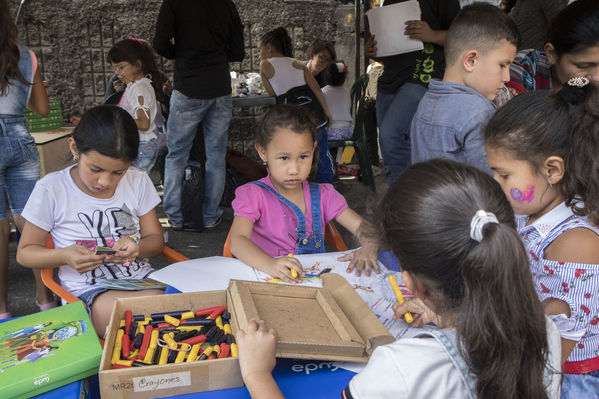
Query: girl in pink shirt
x=283, y=214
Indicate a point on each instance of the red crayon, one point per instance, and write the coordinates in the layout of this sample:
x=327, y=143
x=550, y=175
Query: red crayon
x=225, y=350
x=207, y=311
x=145, y=342
x=195, y=340
x=217, y=312
x=128, y=318
x=120, y=366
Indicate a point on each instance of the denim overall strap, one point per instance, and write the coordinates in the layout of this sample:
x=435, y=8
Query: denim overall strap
x=447, y=339
x=305, y=244
x=14, y=100
x=317, y=230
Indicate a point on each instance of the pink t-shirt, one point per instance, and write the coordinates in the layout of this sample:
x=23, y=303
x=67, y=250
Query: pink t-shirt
x=274, y=223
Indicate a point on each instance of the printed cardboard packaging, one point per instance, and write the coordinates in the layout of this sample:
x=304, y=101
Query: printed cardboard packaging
x=329, y=323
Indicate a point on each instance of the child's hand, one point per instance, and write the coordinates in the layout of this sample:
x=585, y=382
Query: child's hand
x=370, y=47
x=256, y=349
x=128, y=251
x=281, y=268
x=422, y=314
x=420, y=30
x=364, y=258
x=82, y=259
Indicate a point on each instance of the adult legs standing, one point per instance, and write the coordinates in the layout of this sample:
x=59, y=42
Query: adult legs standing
x=216, y=126
x=185, y=115
x=394, y=114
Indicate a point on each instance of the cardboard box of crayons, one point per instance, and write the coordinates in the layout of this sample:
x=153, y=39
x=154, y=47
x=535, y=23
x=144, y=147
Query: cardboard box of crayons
x=329, y=323
x=47, y=350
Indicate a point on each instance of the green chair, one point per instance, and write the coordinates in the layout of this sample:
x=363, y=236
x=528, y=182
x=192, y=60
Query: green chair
x=358, y=138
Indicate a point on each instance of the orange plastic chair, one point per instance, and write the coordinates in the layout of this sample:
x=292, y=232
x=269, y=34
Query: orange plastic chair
x=48, y=274
x=331, y=234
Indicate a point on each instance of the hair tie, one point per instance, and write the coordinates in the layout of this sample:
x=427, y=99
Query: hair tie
x=480, y=219
x=137, y=40
x=341, y=67
x=573, y=92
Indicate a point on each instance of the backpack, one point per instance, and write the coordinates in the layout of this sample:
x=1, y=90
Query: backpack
x=192, y=200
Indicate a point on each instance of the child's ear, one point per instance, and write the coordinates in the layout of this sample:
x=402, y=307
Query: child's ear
x=261, y=152
x=469, y=59
x=550, y=51
x=73, y=147
x=420, y=290
x=553, y=169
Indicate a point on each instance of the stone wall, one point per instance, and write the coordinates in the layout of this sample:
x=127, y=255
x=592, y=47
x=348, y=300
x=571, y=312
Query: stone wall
x=72, y=37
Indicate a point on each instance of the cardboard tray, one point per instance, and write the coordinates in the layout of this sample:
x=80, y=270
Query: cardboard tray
x=329, y=323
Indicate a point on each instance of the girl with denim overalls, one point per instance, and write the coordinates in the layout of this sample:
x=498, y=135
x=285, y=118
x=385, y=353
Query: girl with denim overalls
x=454, y=235
x=283, y=214
x=134, y=64
x=20, y=86
x=542, y=146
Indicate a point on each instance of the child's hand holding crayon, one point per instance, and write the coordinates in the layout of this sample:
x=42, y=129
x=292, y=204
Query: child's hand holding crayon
x=284, y=268
x=421, y=313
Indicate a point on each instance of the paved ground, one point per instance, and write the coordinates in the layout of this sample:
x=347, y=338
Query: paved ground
x=21, y=289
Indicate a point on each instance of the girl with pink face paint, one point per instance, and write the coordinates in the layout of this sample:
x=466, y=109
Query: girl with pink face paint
x=542, y=147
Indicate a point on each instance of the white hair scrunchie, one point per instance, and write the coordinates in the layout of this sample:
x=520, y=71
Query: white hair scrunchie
x=479, y=221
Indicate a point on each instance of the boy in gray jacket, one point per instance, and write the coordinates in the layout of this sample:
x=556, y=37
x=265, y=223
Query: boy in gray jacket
x=479, y=48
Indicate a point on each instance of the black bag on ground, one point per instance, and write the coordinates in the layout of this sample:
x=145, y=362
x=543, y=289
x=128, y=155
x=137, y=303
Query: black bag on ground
x=192, y=201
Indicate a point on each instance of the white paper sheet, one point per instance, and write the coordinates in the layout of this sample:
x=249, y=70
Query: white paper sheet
x=388, y=25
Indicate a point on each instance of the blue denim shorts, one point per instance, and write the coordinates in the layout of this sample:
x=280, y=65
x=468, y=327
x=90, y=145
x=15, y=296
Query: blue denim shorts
x=577, y=386
x=146, y=155
x=19, y=164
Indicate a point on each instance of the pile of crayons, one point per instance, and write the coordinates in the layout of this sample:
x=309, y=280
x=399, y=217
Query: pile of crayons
x=173, y=337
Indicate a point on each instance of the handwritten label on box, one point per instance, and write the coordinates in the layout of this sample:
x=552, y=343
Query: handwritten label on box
x=161, y=381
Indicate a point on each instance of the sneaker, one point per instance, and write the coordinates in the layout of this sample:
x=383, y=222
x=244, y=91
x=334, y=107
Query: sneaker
x=213, y=225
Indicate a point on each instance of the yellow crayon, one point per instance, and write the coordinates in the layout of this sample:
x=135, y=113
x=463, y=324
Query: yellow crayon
x=219, y=322
x=140, y=328
x=171, y=320
x=234, y=350
x=154, y=338
x=193, y=353
x=216, y=349
x=180, y=357
x=187, y=315
x=227, y=328
x=149, y=355
x=118, y=344
x=163, y=356
x=168, y=338
x=124, y=362
x=293, y=271
x=407, y=316
x=122, y=323
x=133, y=354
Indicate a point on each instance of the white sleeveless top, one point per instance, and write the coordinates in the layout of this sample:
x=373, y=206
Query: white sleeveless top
x=286, y=75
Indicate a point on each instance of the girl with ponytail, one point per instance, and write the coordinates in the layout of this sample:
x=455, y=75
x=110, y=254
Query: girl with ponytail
x=454, y=235
x=542, y=147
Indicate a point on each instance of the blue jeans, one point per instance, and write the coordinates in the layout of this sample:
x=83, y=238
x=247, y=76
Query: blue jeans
x=19, y=164
x=325, y=171
x=577, y=386
x=394, y=113
x=146, y=155
x=185, y=115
